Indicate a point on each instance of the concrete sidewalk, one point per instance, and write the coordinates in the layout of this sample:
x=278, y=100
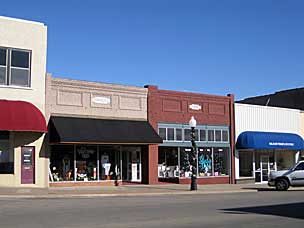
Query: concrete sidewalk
x=130, y=190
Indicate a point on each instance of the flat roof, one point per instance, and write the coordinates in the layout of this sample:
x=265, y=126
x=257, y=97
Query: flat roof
x=22, y=20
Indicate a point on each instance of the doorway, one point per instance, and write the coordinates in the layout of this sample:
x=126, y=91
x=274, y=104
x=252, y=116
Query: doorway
x=28, y=165
x=131, y=160
x=264, y=163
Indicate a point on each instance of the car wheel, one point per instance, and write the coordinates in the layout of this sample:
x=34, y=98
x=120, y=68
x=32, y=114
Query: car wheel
x=282, y=185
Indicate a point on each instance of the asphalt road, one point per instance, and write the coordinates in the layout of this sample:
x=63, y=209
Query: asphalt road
x=261, y=209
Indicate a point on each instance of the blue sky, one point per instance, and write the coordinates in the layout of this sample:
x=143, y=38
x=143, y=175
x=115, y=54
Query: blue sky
x=216, y=47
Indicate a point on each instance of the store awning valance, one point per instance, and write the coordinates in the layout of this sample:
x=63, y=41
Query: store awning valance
x=269, y=140
x=21, y=116
x=100, y=131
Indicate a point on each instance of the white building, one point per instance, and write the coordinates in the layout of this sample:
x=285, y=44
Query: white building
x=267, y=138
x=23, y=46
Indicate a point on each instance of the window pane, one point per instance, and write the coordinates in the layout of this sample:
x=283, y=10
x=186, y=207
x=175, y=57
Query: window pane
x=202, y=135
x=220, y=157
x=19, y=77
x=196, y=135
x=2, y=57
x=109, y=162
x=218, y=136
x=162, y=133
x=186, y=160
x=204, y=162
x=86, y=163
x=20, y=59
x=179, y=134
x=211, y=135
x=225, y=136
x=245, y=161
x=169, y=166
x=62, y=163
x=170, y=133
x=187, y=134
x=2, y=75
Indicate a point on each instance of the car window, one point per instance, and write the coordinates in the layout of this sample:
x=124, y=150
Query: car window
x=300, y=166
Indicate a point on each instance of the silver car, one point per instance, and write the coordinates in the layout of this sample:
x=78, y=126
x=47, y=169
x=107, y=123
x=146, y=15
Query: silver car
x=284, y=178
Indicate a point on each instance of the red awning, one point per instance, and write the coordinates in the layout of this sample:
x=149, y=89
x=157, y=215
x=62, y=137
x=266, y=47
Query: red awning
x=21, y=116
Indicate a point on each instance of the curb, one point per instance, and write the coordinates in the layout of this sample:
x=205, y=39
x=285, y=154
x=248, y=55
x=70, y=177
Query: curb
x=60, y=196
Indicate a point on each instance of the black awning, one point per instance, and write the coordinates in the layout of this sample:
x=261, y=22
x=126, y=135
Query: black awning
x=99, y=131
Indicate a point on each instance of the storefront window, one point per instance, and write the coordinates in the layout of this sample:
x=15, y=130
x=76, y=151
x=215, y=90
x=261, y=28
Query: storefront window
x=220, y=160
x=109, y=163
x=86, y=163
x=218, y=135
x=246, y=163
x=186, y=161
x=204, y=162
x=168, y=162
x=187, y=134
x=62, y=163
x=6, y=157
x=285, y=159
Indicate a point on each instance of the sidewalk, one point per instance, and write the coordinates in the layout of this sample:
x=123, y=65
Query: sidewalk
x=129, y=190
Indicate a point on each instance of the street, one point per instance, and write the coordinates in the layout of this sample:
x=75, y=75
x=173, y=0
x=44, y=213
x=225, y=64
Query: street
x=260, y=209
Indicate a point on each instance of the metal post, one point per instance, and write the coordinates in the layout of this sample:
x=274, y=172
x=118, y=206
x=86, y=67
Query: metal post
x=193, y=186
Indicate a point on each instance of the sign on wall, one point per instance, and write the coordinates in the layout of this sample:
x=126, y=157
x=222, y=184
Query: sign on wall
x=195, y=107
x=101, y=100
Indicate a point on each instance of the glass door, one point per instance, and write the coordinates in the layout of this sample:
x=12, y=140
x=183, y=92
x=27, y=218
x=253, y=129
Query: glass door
x=132, y=164
x=265, y=168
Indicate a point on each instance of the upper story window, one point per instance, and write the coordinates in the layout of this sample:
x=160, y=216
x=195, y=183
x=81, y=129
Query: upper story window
x=15, y=67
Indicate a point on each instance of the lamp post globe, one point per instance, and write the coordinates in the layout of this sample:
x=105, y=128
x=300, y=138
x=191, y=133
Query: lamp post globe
x=192, y=124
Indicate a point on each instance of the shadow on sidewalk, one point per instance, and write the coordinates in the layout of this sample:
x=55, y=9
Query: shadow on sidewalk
x=268, y=189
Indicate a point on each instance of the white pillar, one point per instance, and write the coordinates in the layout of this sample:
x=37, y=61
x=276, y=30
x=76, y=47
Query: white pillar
x=237, y=165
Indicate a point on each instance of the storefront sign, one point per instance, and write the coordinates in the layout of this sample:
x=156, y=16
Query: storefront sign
x=84, y=152
x=195, y=107
x=101, y=100
x=280, y=144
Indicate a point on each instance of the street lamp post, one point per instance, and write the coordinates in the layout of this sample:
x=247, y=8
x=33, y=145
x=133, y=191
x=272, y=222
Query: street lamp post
x=192, y=124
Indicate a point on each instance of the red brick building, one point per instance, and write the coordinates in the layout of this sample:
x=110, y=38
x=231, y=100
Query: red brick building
x=169, y=113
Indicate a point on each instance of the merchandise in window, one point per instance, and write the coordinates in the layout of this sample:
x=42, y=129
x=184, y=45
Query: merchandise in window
x=220, y=160
x=15, y=67
x=168, y=162
x=186, y=162
x=62, y=163
x=86, y=163
x=204, y=162
x=109, y=163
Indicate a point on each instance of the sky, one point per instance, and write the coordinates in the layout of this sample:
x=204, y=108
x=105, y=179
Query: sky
x=243, y=47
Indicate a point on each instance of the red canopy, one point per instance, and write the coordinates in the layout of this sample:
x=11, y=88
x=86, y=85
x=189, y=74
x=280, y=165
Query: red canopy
x=21, y=116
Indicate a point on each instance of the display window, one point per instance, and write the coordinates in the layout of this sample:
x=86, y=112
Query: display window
x=205, y=162
x=220, y=161
x=109, y=163
x=186, y=162
x=62, y=163
x=246, y=163
x=168, y=162
x=86, y=163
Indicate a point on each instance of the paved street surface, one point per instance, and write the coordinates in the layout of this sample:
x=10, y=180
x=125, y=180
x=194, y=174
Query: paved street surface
x=251, y=209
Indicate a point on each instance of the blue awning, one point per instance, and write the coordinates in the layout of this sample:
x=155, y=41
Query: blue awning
x=269, y=140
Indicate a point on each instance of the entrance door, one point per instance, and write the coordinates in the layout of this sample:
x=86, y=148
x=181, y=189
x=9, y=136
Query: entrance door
x=265, y=168
x=28, y=165
x=132, y=160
